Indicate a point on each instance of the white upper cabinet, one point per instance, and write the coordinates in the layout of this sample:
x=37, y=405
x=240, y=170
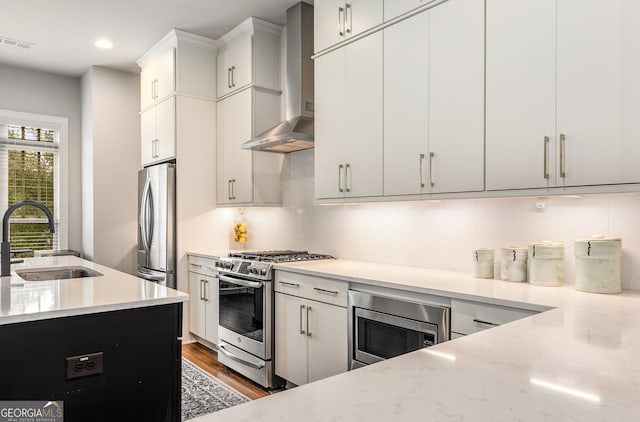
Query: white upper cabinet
x=434, y=101
x=598, y=124
x=562, y=88
x=250, y=55
x=456, y=97
x=158, y=132
x=157, y=78
x=406, y=99
x=247, y=177
x=248, y=88
x=181, y=64
x=337, y=20
x=348, y=120
x=520, y=99
x=234, y=67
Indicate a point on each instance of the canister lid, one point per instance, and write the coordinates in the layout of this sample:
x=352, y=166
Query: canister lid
x=483, y=253
x=513, y=252
x=598, y=245
x=546, y=249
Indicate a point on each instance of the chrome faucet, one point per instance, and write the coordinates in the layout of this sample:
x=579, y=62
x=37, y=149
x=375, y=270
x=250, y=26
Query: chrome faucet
x=5, y=246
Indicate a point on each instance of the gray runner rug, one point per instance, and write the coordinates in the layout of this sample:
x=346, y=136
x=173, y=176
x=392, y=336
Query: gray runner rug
x=203, y=394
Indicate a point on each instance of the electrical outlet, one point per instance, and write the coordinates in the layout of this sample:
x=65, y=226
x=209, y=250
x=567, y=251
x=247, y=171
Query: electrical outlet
x=84, y=365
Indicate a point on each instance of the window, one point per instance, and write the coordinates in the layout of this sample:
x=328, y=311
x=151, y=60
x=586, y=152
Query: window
x=30, y=167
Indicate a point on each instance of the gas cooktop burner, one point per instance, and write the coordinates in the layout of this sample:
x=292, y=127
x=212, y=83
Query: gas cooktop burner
x=279, y=256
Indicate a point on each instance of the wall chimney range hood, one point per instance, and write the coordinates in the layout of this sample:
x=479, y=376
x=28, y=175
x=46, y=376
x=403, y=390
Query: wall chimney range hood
x=295, y=133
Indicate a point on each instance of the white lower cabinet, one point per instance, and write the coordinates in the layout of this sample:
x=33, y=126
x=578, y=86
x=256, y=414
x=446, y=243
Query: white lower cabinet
x=310, y=336
x=471, y=317
x=203, y=299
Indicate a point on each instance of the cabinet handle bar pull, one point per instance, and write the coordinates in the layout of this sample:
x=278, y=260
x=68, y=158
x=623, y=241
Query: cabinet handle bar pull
x=546, y=155
x=348, y=17
x=562, y=139
x=347, y=185
x=333, y=292
x=301, y=330
x=340, y=167
x=431, y=155
x=479, y=321
x=308, y=331
x=421, y=170
x=289, y=284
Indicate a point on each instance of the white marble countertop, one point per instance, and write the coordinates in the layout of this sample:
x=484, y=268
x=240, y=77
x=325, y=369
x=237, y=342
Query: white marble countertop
x=579, y=361
x=22, y=301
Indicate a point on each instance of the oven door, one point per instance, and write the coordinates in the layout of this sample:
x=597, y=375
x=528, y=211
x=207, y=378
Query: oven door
x=244, y=314
x=379, y=336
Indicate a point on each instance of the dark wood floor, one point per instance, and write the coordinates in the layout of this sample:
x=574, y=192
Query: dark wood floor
x=207, y=359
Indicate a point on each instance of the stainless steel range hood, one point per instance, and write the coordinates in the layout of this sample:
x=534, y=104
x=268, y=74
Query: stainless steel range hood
x=295, y=133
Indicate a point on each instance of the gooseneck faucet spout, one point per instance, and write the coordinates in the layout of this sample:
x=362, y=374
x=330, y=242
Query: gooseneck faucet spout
x=5, y=246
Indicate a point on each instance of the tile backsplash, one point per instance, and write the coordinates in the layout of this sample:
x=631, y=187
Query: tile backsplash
x=434, y=234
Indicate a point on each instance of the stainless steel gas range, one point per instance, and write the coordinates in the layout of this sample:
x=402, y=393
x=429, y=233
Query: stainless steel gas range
x=246, y=315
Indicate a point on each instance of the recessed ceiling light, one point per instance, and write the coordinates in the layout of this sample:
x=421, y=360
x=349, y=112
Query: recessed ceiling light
x=103, y=43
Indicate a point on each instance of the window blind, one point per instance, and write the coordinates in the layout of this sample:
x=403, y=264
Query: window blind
x=29, y=170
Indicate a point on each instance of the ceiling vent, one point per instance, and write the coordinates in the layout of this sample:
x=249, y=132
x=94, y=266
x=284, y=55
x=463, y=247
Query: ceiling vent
x=15, y=43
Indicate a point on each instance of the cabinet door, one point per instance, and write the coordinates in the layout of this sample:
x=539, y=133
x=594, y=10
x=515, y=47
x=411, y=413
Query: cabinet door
x=165, y=74
x=405, y=106
x=328, y=23
x=327, y=350
x=242, y=63
x=363, y=117
x=362, y=15
x=211, y=309
x=598, y=91
x=197, y=320
x=456, y=96
x=520, y=93
x=166, y=130
x=329, y=124
x=290, y=358
x=234, y=165
x=223, y=75
x=147, y=135
x=147, y=85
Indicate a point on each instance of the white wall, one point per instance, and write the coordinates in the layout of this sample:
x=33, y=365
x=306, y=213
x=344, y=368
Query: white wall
x=33, y=91
x=111, y=160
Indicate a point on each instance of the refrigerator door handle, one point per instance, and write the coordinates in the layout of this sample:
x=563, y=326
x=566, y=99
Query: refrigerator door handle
x=142, y=218
x=151, y=212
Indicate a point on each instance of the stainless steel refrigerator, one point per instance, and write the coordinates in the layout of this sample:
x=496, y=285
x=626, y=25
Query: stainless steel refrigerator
x=156, y=224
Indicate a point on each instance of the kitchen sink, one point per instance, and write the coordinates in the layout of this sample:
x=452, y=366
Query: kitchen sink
x=56, y=273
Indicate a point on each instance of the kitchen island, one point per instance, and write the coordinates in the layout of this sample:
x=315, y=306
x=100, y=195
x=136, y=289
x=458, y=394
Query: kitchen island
x=107, y=346
x=576, y=360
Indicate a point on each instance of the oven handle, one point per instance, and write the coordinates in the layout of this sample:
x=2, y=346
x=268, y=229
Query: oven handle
x=238, y=358
x=241, y=282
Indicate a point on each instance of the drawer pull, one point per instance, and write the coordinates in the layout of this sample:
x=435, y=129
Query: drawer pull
x=479, y=321
x=289, y=284
x=196, y=265
x=332, y=292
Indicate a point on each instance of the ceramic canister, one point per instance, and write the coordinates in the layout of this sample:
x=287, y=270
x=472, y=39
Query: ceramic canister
x=598, y=265
x=546, y=264
x=483, y=263
x=513, y=263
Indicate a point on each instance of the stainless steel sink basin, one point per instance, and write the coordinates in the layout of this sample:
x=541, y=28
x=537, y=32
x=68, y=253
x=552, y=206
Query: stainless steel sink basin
x=56, y=273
